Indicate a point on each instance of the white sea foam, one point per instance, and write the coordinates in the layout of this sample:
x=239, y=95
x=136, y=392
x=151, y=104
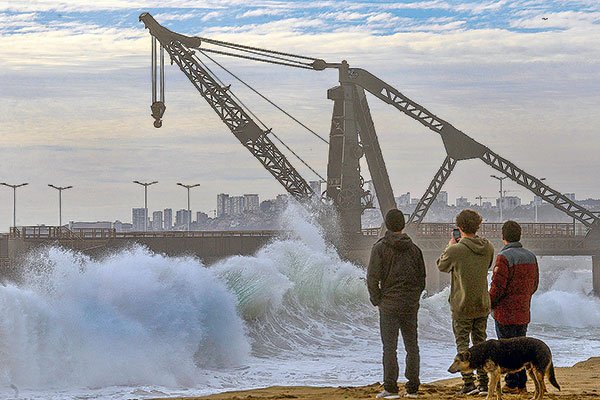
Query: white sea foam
x=135, y=324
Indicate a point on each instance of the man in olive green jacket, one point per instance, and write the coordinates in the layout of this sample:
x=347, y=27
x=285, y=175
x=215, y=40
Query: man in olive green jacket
x=468, y=261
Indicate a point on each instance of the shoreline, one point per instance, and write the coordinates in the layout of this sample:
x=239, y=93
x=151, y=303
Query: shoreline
x=580, y=381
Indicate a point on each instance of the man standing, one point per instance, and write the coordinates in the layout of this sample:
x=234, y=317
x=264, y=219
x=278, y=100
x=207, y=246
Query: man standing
x=468, y=260
x=514, y=281
x=395, y=279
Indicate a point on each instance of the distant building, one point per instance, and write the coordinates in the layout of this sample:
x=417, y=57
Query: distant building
x=537, y=201
x=122, y=226
x=139, y=218
x=570, y=196
x=267, y=206
x=403, y=199
x=157, y=221
x=167, y=219
x=201, y=218
x=281, y=202
x=462, y=202
x=486, y=204
x=251, y=202
x=182, y=219
x=414, y=200
x=223, y=205
x=442, y=198
x=90, y=225
x=509, y=202
x=236, y=205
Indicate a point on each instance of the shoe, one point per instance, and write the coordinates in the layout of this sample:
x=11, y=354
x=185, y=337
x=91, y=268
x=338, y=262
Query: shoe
x=387, y=395
x=468, y=389
x=513, y=390
x=411, y=396
x=482, y=390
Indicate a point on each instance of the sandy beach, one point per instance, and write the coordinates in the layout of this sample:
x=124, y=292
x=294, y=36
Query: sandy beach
x=581, y=381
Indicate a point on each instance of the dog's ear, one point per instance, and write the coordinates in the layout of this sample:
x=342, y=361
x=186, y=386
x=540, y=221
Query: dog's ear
x=464, y=355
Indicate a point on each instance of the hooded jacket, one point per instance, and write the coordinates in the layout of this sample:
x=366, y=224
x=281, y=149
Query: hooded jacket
x=396, y=274
x=468, y=261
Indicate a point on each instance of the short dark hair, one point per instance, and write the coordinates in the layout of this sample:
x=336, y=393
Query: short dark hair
x=469, y=221
x=511, y=231
x=394, y=220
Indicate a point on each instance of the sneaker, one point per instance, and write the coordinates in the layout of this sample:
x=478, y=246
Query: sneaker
x=411, y=395
x=387, y=395
x=468, y=389
x=513, y=390
x=483, y=391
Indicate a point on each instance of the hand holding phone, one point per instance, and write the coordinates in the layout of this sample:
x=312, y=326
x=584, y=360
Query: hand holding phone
x=456, y=234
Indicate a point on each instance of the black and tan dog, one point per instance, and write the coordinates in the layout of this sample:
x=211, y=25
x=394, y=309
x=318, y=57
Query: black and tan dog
x=497, y=357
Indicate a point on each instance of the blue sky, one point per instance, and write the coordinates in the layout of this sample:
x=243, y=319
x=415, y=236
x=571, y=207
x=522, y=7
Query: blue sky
x=522, y=77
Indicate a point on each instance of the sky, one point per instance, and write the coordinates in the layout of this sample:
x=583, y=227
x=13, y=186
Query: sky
x=521, y=77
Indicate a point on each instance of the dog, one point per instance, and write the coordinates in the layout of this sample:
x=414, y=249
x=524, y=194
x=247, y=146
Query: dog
x=497, y=357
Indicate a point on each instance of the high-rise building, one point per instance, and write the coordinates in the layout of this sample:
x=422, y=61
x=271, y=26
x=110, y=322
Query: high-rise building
x=139, y=218
x=442, y=198
x=251, y=202
x=201, y=218
x=182, y=219
x=509, y=202
x=237, y=205
x=167, y=219
x=570, y=196
x=223, y=205
x=157, y=221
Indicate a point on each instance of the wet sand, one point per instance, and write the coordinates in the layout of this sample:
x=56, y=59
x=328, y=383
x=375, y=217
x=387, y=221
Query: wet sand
x=581, y=381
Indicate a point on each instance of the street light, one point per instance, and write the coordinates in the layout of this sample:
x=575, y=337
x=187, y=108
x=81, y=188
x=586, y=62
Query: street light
x=14, y=187
x=501, y=193
x=60, y=189
x=188, y=187
x=145, y=185
x=535, y=204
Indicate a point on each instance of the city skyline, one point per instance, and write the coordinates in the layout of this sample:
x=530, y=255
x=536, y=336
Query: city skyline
x=496, y=70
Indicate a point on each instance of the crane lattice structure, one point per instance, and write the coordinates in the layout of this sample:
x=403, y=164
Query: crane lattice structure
x=352, y=133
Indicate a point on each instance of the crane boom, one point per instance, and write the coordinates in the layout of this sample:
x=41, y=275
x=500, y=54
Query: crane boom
x=244, y=128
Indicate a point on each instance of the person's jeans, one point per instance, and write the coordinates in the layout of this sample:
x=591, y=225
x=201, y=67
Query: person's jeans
x=390, y=324
x=474, y=329
x=518, y=379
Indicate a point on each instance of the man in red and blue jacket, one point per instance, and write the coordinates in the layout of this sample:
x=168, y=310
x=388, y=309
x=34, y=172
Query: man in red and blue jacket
x=515, y=279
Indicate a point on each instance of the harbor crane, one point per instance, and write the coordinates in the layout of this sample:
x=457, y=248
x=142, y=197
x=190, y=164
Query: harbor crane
x=352, y=133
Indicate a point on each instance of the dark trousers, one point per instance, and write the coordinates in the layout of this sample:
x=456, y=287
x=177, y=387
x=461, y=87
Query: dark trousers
x=517, y=379
x=467, y=331
x=390, y=324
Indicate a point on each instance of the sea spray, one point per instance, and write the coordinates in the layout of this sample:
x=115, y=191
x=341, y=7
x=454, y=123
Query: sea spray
x=131, y=318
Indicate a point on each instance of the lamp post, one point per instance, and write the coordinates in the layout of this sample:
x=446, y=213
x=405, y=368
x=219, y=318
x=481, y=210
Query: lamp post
x=535, y=205
x=501, y=193
x=188, y=187
x=60, y=189
x=14, y=188
x=145, y=185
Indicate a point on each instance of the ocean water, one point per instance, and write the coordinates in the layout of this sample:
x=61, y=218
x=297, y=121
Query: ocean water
x=138, y=325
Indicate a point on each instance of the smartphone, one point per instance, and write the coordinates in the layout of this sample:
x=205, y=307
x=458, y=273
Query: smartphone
x=456, y=234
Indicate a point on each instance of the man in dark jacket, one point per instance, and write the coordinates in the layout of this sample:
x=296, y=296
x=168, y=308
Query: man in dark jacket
x=514, y=281
x=396, y=279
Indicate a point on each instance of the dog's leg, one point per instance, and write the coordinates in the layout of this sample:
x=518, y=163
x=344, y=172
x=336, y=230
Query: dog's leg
x=491, y=384
x=540, y=376
x=498, y=385
x=535, y=382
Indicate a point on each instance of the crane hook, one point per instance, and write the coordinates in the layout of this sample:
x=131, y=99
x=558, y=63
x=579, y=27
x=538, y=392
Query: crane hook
x=158, y=109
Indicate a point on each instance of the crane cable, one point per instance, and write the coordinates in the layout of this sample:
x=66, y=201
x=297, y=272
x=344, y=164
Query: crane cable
x=258, y=119
x=264, y=97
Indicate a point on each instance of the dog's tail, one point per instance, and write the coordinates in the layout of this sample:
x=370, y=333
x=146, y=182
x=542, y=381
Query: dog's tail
x=552, y=377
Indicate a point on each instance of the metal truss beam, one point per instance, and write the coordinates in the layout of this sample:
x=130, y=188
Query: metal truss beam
x=433, y=190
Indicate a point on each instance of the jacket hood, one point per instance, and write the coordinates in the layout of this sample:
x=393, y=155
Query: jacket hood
x=476, y=244
x=399, y=241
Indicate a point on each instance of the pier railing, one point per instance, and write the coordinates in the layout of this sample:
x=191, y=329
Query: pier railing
x=494, y=230
x=63, y=233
